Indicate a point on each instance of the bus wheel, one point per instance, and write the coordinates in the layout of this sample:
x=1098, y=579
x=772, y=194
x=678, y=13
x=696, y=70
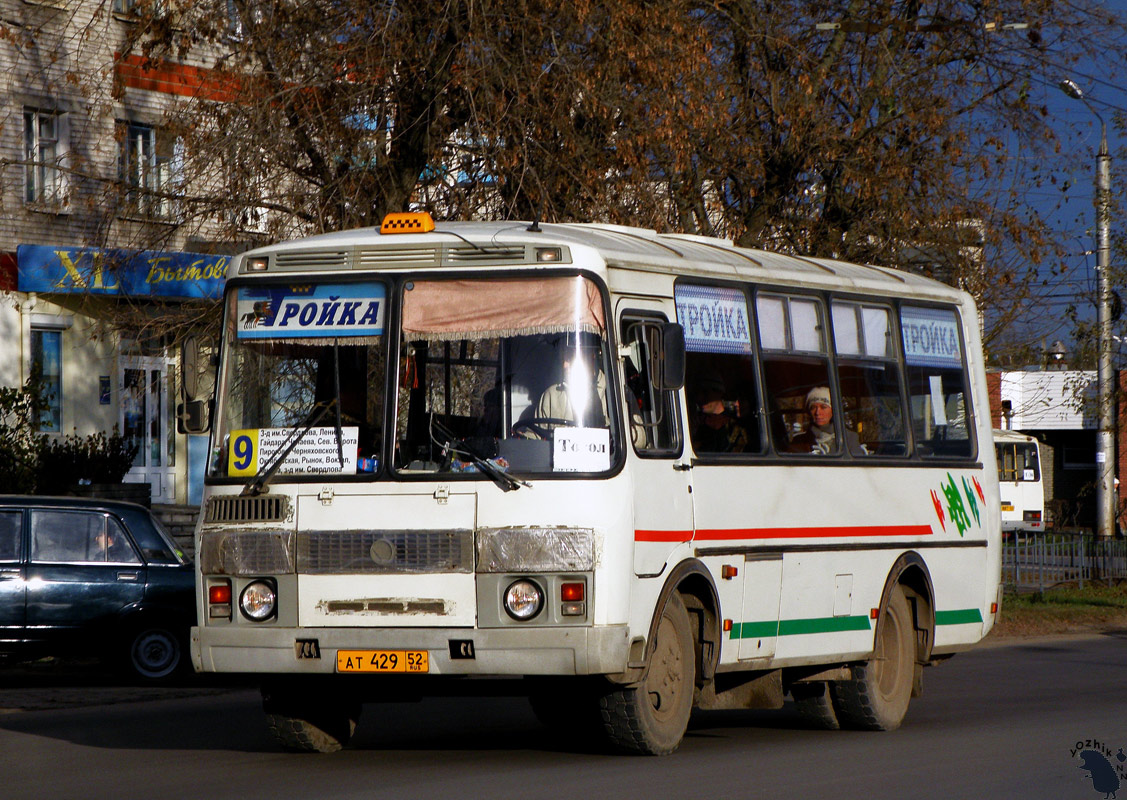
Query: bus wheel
x=650, y=718
x=877, y=697
x=313, y=724
x=814, y=703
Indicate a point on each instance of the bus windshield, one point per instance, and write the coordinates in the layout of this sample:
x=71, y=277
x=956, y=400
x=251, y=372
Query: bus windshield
x=513, y=373
x=305, y=371
x=494, y=376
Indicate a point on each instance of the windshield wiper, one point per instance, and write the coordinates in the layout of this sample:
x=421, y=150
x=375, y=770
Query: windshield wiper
x=316, y=414
x=448, y=441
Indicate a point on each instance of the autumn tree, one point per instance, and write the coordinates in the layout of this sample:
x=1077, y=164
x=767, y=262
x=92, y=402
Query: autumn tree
x=881, y=132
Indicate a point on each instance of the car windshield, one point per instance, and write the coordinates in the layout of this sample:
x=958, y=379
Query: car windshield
x=302, y=390
x=507, y=376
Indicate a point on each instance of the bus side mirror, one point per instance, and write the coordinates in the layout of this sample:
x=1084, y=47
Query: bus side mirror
x=197, y=383
x=194, y=416
x=668, y=366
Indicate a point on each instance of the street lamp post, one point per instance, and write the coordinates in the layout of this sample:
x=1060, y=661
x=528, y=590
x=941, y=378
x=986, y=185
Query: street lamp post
x=1105, y=441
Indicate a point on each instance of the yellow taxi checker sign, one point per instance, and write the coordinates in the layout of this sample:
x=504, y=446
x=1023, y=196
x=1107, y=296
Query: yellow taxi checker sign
x=242, y=457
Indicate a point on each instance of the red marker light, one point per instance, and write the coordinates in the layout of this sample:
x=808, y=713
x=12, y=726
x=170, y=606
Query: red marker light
x=571, y=592
x=218, y=593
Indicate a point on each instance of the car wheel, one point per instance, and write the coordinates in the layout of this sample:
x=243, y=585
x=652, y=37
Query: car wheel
x=154, y=653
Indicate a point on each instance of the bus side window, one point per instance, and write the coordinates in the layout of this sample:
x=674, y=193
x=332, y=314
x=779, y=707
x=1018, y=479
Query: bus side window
x=938, y=391
x=651, y=414
x=720, y=382
x=869, y=376
x=796, y=374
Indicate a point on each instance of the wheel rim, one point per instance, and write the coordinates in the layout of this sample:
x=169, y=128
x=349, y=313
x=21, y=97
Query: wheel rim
x=890, y=655
x=155, y=653
x=666, y=678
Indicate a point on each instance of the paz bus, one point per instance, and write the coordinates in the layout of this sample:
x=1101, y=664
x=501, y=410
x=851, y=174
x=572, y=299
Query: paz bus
x=1020, y=486
x=622, y=473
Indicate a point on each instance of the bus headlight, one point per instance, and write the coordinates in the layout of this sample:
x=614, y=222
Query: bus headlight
x=258, y=601
x=523, y=599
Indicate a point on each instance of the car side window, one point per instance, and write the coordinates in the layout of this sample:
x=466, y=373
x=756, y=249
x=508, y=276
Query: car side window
x=79, y=536
x=11, y=528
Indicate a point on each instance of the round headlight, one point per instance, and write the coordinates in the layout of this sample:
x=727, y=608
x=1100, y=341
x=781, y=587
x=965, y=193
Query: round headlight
x=258, y=601
x=523, y=599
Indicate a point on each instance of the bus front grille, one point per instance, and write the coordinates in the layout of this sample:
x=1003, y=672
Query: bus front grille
x=384, y=552
x=236, y=508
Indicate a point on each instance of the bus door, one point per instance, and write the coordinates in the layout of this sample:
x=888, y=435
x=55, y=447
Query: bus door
x=663, y=508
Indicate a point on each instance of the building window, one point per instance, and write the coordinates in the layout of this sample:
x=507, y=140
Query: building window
x=44, y=180
x=135, y=7
x=150, y=163
x=46, y=364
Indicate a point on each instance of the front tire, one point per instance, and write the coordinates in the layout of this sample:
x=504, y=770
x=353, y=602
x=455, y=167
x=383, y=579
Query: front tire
x=315, y=723
x=651, y=718
x=877, y=697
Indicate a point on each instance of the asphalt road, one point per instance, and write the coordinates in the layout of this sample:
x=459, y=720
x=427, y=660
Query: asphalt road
x=999, y=722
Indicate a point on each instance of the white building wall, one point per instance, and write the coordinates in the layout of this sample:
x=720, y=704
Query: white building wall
x=1051, y=400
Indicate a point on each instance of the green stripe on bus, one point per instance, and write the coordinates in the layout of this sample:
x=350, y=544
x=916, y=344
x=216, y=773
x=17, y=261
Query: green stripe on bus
x=960, y=616
x=794, y=627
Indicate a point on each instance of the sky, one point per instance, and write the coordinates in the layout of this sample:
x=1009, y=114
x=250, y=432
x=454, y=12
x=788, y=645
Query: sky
x=1071, y=212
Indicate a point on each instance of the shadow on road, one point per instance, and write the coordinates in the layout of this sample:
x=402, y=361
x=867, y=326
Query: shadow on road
x=85, y=704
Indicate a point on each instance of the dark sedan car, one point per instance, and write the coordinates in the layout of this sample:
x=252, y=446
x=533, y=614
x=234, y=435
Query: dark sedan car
x=91, y=577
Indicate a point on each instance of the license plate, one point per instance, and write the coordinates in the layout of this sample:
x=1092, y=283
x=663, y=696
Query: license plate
x=1007, y=507
x=383, y=661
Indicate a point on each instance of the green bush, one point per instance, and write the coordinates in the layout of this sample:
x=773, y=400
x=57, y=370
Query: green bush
x=21, y=409
x=34, y=463
x=96, y=458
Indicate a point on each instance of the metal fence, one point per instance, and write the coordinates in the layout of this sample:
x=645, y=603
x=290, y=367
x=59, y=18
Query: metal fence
x=1041, y=560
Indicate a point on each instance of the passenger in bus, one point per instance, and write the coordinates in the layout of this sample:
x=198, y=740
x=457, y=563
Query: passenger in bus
x=717, y=430
x=580, y=397
x=820, y=437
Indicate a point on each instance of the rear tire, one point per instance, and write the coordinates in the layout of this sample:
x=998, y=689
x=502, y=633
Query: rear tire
x=651, y=718
x=814, y=703
x=877, y=697
x=312, y=724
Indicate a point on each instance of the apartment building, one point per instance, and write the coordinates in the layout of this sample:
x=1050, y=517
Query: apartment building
x=98, y=261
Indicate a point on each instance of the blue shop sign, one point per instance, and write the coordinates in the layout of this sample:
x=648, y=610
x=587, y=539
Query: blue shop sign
x=131, y=273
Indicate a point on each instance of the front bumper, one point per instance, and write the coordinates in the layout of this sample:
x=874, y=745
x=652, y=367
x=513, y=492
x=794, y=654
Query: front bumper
x=585, y=650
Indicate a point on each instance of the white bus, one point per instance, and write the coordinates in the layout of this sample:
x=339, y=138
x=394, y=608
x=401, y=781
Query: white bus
x=624, y=473
x=1020, y=486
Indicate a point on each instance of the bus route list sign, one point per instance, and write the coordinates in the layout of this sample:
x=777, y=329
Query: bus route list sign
x=252, y=450
x=126, y=273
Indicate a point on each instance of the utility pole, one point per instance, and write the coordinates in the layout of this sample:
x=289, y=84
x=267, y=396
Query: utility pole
x=1106, y=500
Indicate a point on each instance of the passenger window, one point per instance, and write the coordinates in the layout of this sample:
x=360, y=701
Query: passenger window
x=937, y=384
x=11, y=528
x=801, y=412
x=869, y=377
x=719, y=370
x=79, y=537
x=651, y=413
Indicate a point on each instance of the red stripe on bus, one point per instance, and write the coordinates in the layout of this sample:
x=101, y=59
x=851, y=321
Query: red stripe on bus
x=727, y=534
x=662, y=536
